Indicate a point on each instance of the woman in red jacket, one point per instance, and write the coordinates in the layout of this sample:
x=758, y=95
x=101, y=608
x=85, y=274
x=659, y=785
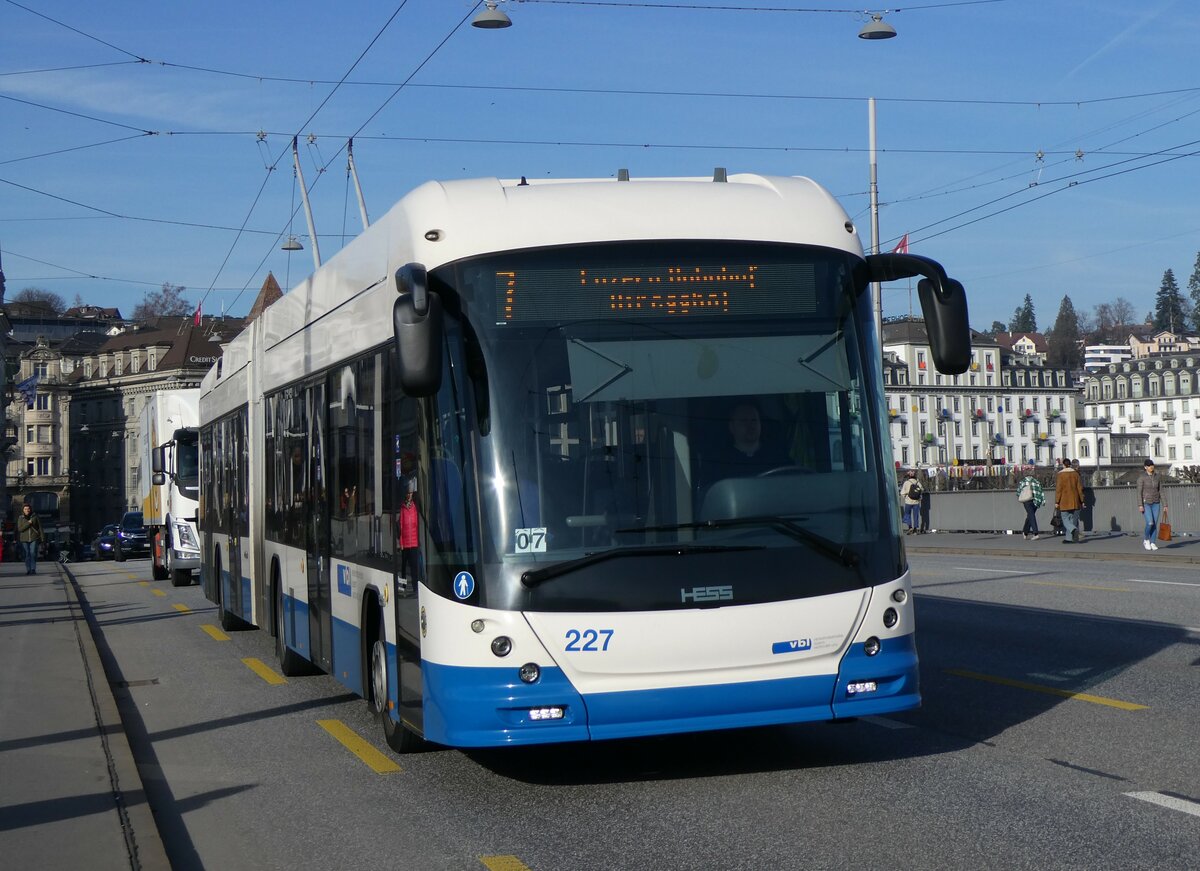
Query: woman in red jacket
x=410, y=552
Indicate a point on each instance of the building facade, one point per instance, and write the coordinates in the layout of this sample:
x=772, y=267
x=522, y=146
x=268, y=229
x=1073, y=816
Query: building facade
x=1007, y=409
x=1147, y=407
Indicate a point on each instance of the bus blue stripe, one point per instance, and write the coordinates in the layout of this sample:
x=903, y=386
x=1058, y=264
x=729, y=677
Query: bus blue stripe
x=488, y=707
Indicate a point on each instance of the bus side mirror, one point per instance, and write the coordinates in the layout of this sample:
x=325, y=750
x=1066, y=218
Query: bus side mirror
x=943, y=304
x=417, y=326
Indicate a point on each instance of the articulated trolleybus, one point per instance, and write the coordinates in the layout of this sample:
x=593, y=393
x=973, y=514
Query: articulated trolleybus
x=531, y=462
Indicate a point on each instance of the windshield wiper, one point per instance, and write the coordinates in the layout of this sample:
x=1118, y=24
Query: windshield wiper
x=825, y=546
x=533, y=577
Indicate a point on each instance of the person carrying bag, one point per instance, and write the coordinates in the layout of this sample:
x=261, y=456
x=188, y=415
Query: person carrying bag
x=1149, y=490
x=1031, y=497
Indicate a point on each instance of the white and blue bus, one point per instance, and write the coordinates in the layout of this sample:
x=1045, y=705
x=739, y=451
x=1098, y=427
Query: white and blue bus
x=550, y=461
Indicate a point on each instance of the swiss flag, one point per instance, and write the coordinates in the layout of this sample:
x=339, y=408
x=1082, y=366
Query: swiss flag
x=902, y=246
x=196, y=317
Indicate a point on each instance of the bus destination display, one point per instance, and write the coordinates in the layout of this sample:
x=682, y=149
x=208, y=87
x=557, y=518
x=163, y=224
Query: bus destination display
x=655, y=291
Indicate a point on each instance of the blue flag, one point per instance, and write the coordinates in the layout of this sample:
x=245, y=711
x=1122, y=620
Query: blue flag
x=28, y=389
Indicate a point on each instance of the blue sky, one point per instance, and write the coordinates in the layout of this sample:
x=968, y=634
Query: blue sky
x=118, y=175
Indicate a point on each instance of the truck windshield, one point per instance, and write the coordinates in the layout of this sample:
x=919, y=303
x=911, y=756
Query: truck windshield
x=705, y=409
x=187, y=461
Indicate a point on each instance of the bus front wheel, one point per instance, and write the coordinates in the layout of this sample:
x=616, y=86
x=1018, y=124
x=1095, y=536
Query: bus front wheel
x=397, y=735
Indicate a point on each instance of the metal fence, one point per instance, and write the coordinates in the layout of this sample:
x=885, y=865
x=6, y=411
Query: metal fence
x=1106, y=509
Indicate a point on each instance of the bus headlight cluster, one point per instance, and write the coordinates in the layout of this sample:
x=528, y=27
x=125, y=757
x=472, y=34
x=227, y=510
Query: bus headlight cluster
x=861, y=686
x=502, y=645
x=552, y=713
x=530, y=672
x=890, y=617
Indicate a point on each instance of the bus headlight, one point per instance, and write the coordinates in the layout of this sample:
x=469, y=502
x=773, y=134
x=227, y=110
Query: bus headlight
x=890, y=617
x=899, y=596
x=530, y=672
x=871, y=646
x=502, y=645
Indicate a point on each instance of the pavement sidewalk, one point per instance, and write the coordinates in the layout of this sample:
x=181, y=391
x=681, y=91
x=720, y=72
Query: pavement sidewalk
x=1095, y=545
x=70, y=792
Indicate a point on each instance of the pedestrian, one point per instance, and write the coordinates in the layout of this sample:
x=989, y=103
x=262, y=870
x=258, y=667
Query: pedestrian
x=1068, y=499
x=910, y=501
x=1149, y=488
x=1030, y=495
x=29, y=531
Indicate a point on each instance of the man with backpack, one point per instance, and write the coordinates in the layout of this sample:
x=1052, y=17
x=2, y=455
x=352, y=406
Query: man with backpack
x=910, y=501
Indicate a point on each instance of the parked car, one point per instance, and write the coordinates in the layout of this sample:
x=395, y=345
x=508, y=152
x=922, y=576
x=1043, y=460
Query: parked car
x=131, y=537
x=102, y=544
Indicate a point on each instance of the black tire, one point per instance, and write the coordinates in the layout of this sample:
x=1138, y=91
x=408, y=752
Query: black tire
x=397, y=735
x=291, y=663
x=118, y=556
x=179, y=577
x=229, y=622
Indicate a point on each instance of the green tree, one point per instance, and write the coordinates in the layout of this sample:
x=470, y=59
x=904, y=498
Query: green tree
x=998, y=327
x=1194, y=292
x=1023, y=320
x=168, y=302
x=1169, y=311
x=1063, y=341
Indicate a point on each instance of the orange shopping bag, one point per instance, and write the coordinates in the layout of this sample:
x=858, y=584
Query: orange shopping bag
x=1164, y=527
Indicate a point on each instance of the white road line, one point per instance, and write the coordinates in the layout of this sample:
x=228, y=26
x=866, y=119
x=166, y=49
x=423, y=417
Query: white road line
x=1168, y=801
x=1001, y=571
x=1168, y=583
x=886, y=723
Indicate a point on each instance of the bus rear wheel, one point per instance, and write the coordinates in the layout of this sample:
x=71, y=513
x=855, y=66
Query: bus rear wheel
x=291, y=663
x=397, y=735
x=229, y=622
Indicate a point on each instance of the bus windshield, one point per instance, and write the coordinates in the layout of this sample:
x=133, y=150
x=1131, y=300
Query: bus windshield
x=678, y=425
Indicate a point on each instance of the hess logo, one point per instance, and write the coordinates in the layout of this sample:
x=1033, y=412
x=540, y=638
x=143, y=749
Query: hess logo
x=707, y=594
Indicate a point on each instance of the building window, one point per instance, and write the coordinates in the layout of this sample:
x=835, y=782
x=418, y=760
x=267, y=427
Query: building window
x=1083, y=449
x=42, y=402
x=41, y=369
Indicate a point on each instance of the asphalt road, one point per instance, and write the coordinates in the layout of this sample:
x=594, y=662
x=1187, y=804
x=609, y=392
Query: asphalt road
x=1059, y=730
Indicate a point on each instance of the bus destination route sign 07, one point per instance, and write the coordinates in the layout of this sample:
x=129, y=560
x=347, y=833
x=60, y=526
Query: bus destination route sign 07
x=654, y=291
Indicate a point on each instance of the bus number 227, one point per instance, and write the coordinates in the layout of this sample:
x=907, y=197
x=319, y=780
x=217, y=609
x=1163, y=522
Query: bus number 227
x=588, y=640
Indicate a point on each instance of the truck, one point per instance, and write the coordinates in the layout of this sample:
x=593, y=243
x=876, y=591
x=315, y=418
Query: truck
x=169, y=483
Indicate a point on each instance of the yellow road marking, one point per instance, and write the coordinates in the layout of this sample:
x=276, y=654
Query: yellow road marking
x=217, y=634
x=355, y=743
x=1053, y=691
x=1078, y=586
x=181, y=608
x=141, y=583
x=264, y=671
x=503, y=863
x=159, y=593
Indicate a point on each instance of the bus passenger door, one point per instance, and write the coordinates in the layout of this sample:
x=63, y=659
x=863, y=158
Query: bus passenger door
x=317, y=534
x=402, y=445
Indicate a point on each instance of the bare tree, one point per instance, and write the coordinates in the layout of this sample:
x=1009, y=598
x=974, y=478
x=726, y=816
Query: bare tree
x=41, y=298
x=168, y=302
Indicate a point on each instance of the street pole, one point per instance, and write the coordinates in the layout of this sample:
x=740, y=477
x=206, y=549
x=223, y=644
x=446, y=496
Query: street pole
x=876, y=287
